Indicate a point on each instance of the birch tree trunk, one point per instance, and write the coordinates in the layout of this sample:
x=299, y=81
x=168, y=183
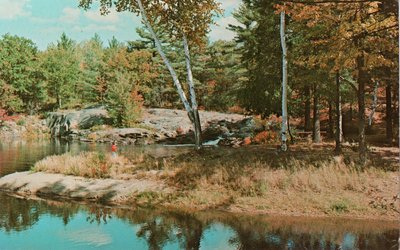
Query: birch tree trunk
x=362, y=145
x=196, y=118
x=284, y=84
x=316, y=120
x=307, y=110
x=192, y=109
x=374, y=104
x=171, y=70
x=389, y=112
x=339, y=124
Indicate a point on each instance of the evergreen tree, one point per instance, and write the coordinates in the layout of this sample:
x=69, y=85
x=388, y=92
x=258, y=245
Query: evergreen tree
x=258, y=39
x=91, y=65
x=60, y=67
x=20, y=75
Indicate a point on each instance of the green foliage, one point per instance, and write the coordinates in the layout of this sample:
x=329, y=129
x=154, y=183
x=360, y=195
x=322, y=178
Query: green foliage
x=8, y=99
x=126, y=75
x=60, y=67
x=258, y=40
x=160, y=92
x=21, y=122
x=220, y=71
x=91, y=55
x=123, y=102
x=20, y=77
x=340, y=206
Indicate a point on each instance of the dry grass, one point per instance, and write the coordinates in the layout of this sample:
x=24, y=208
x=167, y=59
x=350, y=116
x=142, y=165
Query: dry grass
x=257, y=179
x=250, y=179
x=88, y=164
x=296, y=184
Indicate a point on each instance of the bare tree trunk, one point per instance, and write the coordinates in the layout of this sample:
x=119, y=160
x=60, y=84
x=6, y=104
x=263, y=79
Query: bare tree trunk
x=196, y=116
x=284, y=84
x=351, y=112
x=316, y=120
x=362, y=146
x=307, y=110
x=59, y=101
x=192, y=110
x=389, y=113
x=374, y=104
x=330, y=119
x=166, y=61
x=339, y=128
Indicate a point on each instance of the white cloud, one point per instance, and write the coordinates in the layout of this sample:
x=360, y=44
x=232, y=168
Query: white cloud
x=220, y=31
x=10, y=9
x=70, y=15
x=95, y=28
x=94, y=15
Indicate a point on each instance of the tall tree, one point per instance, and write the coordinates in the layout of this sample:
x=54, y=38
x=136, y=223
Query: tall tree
x=62, y=76
x=20, y=73
x=91, y=55
x=307, y=109
x=284, y=83
x=316, y=115
x=357, y=37
x=125, y=75
x=189, y=21
x=258, y=39
x=338, y=133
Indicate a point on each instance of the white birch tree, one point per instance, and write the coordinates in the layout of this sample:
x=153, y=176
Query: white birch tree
x=284, y=130
x=188, y=20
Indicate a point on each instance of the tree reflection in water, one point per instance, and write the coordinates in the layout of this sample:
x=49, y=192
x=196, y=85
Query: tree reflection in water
x=189, y=230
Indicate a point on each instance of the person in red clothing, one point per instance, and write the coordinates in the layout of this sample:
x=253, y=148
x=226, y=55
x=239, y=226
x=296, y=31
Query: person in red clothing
x=114, y=149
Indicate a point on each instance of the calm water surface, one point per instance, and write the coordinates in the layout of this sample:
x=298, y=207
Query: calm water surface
x=28, y=224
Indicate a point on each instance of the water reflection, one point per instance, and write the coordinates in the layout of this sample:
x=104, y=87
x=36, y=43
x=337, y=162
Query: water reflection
x=21, y=155
x=72, y=225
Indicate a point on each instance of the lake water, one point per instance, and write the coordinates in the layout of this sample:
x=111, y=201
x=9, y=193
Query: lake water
x=33, y=224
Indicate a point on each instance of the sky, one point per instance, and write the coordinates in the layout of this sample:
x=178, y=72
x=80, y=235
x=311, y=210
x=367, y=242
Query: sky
x=43, y=21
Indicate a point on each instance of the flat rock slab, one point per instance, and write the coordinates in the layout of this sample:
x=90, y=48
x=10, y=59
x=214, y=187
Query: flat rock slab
x=79, y=188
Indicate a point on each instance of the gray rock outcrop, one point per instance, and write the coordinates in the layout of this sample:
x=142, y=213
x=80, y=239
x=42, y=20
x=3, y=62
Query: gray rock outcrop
x=156, y=126
x=65, y=122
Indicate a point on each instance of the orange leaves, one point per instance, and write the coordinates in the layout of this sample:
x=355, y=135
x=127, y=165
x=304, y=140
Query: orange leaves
x=192, y=17
x=265, y=137
x=338, y=33
x=247, y=141
x=137, y=98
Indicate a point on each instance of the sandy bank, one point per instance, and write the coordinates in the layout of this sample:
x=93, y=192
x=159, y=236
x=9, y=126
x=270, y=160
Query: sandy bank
x=78, y=188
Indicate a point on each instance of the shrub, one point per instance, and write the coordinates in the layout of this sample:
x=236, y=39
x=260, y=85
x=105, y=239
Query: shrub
x=124, y=102
x=340, y=207
x=236, y=110
x=21, y=122
x=265, y=137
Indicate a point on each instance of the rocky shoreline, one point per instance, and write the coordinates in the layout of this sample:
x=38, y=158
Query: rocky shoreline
x=156, y=126
x=107, y=191
x=137, y=192
x=24, y=127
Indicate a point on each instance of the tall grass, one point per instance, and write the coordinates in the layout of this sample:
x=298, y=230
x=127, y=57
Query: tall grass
x=86, y=164
x=295, y=183
x=258, y=178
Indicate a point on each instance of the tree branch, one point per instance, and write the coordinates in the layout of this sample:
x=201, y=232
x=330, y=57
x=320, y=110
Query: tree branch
x=351, y=82
x=332, y=1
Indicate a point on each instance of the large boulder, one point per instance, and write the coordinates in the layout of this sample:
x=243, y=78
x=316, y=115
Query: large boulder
x=176, y=127
x=64, y=122
x=156, y=125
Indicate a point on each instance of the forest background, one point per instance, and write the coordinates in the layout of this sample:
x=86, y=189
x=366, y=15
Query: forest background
x=354, y=43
